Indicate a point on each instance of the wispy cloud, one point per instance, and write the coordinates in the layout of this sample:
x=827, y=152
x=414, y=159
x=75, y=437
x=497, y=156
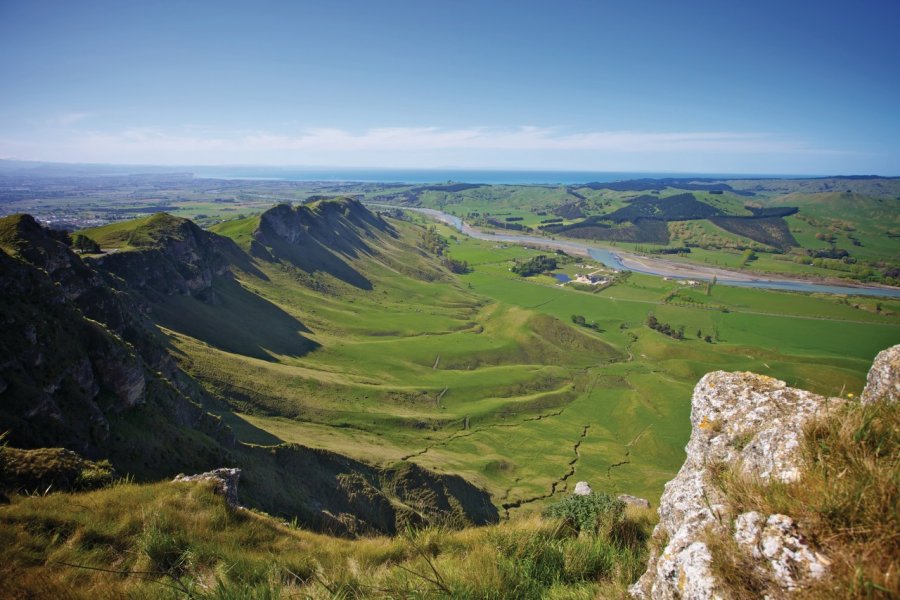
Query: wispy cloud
x=68, y=119
x=399, y=146
x=521, y=138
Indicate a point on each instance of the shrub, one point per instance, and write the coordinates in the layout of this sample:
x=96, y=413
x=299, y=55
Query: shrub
x=84, y=244
x=594, y=513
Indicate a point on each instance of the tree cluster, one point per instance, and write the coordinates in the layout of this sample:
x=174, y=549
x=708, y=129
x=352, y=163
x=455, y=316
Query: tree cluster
x=665, y=328
x=582, y=322
x=538, y=264
x=84, y=245
x=433, y=242
x=455, y=266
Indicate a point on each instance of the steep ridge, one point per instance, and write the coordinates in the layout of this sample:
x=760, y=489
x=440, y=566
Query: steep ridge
x=184, y=276
x=77, y=356
x=169, y=255
x=84, y=366
x=320, y=236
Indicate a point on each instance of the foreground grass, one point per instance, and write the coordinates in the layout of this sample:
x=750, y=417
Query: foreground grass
x=182, y=540
x=846, y=503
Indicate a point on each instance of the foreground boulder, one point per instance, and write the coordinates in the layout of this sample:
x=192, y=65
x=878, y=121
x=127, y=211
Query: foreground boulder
x=883, y=382
x=582, y=488
x=754, y=425
x=225, y=480
x=634, y=500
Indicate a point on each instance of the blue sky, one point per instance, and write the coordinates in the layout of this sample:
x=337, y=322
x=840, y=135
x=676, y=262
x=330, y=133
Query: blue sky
x=607, y=85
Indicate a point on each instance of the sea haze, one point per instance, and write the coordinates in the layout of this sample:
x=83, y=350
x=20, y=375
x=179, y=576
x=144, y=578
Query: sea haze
x=440, y=175
x=371, y=175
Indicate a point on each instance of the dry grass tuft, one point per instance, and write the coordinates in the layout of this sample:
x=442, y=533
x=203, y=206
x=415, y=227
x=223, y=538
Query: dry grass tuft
x=182, y=540
x=846, y=503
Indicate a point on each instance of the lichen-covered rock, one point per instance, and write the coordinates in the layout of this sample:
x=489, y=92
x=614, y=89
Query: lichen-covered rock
x=883, y=381
x=634, y=501
x=750, y=421
x=582, y=489
x=226, y=481
x=777, y=543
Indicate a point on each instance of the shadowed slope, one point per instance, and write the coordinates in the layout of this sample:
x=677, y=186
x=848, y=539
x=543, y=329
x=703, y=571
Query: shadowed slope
x=69, y=381
x=185, y=273
x=321, y=236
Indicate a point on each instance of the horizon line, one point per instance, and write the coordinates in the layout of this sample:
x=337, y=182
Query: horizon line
x=449, y=169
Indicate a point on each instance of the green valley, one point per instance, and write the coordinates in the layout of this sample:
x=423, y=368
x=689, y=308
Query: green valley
x=483, y=374
x=449, y=300
x=373, y=372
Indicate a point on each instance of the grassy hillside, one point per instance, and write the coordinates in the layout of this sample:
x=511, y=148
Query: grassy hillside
x=401, y=369
x=370, y=389
x=482, y=374
x=175, y=540
x=77, y=373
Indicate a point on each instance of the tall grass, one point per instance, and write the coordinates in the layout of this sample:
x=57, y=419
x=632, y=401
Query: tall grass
x=847, y=503
x=182, y=540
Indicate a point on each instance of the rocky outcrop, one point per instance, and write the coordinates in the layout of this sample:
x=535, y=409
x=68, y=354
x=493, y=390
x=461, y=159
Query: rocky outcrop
x=883, y=381
x=633, y=501
x=751, y=424
x=225, y=481
x=171, y=255
x=44, y=470
x=582, y=488
x=779, y=548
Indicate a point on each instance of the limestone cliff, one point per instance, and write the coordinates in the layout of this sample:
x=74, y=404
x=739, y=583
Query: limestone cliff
x=76, y=352
x=753, y=425
x=61, y=375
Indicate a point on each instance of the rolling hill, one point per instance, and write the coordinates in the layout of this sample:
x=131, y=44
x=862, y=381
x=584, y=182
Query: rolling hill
x=362, y=388
x=109, y=388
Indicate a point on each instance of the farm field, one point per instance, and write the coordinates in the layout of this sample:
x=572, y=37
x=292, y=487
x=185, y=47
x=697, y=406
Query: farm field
x=805, y=234
x=391, y=358
x=485, y=375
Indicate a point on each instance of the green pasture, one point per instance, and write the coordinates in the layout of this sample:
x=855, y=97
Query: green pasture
x=865, y=226
x=399, y=371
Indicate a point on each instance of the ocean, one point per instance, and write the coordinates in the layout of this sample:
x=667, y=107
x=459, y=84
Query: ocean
x=522, y=177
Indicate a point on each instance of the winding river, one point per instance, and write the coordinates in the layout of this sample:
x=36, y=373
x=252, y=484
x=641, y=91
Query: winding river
x=659, y=266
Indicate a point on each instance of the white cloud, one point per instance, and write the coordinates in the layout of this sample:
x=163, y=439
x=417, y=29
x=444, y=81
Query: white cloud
x=68, y=119
x=522, y=138
x=470, y=147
